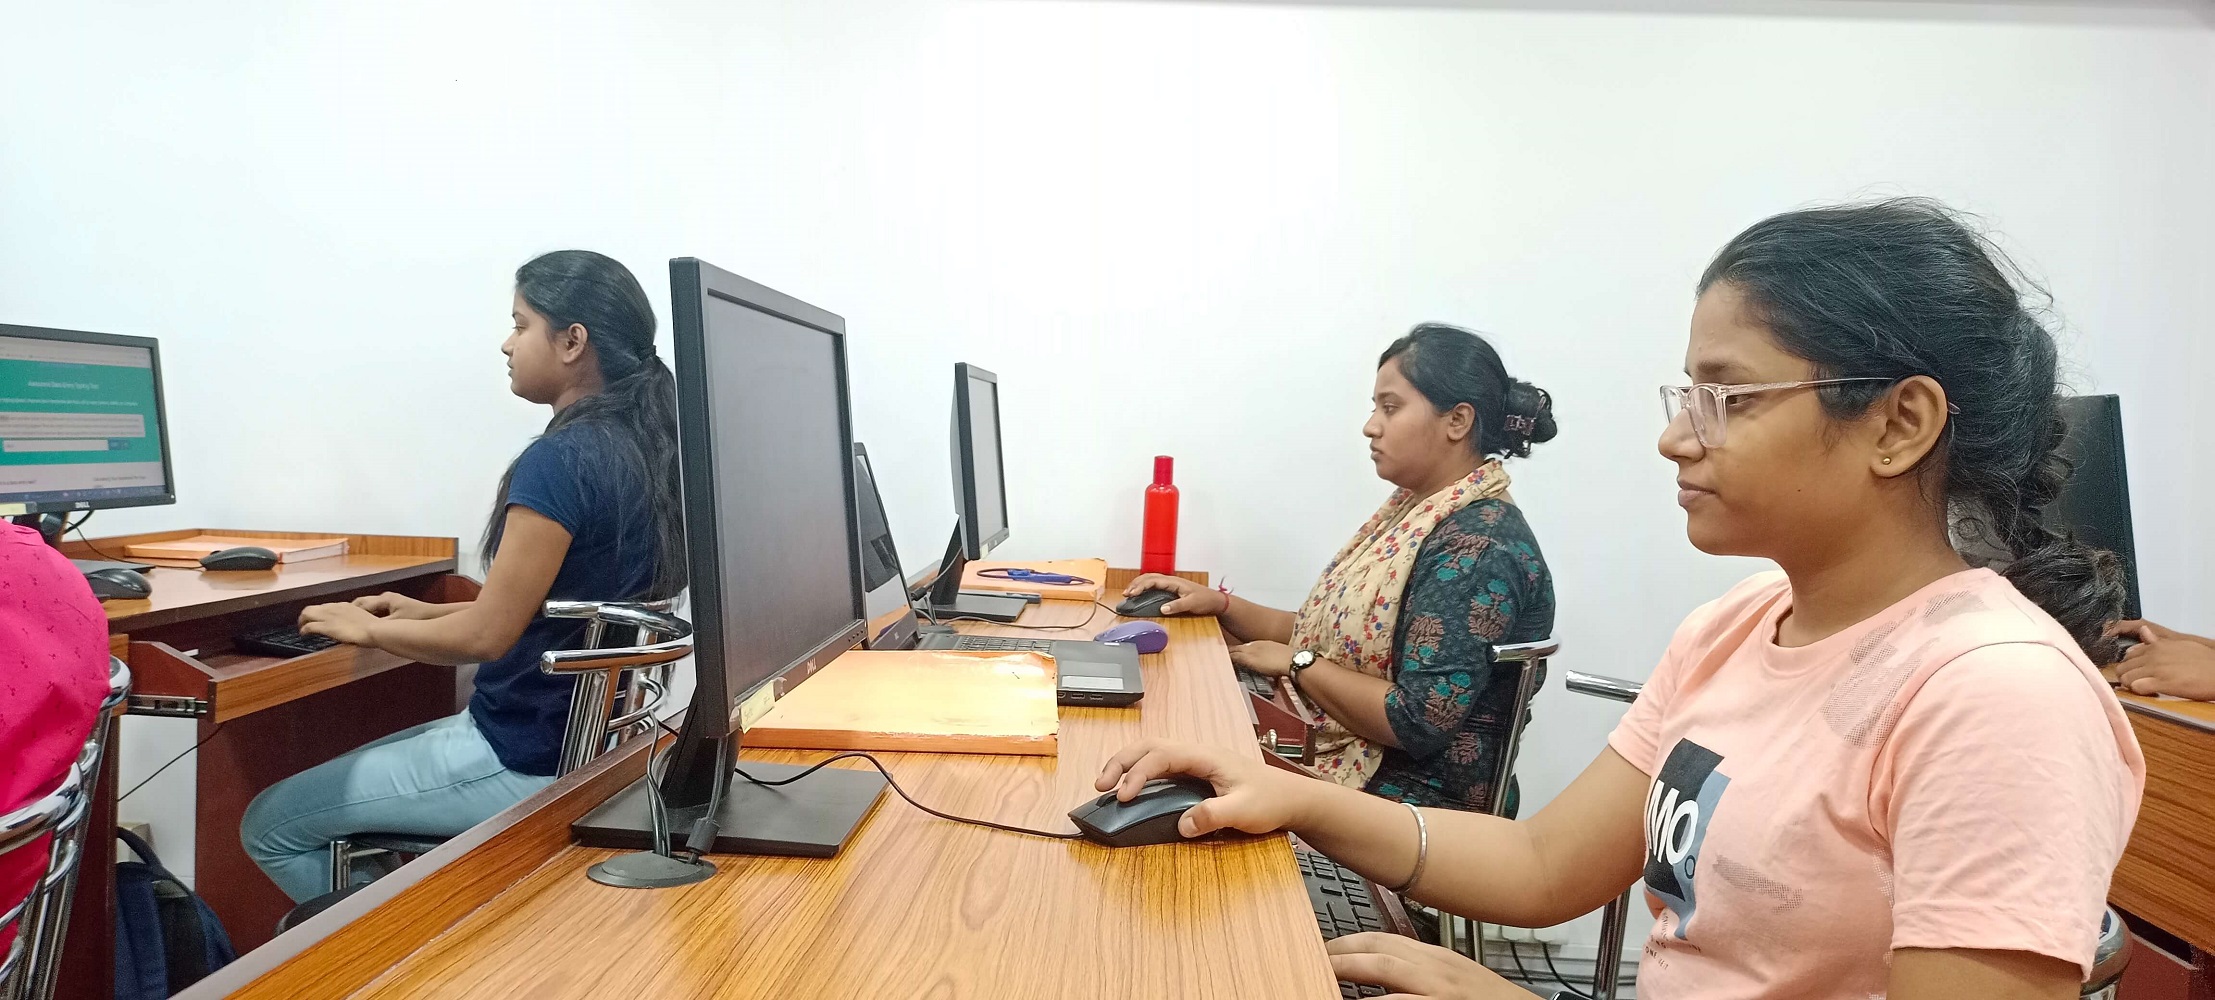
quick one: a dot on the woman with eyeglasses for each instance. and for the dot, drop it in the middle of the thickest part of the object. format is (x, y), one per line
(1392, 652)
(1881, 770)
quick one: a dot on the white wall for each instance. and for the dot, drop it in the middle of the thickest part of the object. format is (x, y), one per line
(1170, 228)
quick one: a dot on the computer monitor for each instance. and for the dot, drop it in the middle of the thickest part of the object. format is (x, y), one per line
(980, 499)
(765, 442)
(884, 591)
(980, 491)
(2095, 504)
(82, 426)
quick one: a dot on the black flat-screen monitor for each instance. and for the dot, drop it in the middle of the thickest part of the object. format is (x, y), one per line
(2095, 504)
(980, 486)
(82, 425)
(766, 444)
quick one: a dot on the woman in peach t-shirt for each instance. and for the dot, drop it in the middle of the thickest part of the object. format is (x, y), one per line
(1883, 771)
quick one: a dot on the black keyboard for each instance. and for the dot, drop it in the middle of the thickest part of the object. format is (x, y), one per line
(285, 641)
(1003, 644)
(1264, 688)
(1342, 906)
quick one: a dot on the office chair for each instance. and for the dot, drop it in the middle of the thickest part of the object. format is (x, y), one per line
(599, 720)
(32, 965)
(1460, 934)
(2110, 956)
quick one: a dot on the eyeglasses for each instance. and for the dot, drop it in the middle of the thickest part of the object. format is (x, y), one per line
(1709, 403)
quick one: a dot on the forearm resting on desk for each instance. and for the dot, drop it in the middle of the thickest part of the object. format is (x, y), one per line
(1250, 622)
(1578, 853)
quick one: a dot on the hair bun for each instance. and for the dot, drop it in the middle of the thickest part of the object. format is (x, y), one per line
(1530, 412)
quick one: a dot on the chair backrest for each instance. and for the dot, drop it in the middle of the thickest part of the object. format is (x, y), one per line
(31, 965)
(1530, 660)
(659, 640)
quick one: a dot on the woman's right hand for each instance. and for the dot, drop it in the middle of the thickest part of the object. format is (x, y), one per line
(1192, 598)
(1249, 795)
(391, 605)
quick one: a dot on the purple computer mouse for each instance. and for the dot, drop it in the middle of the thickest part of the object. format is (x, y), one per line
(1147, 636)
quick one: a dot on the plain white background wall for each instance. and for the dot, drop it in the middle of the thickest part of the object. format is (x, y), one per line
(1182, 229)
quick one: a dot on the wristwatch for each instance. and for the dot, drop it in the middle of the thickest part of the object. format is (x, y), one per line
(1300, 661)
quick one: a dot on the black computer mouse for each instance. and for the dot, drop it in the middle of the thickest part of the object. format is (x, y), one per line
(1150, 817)
(244, 557)
(1145, 604)
(118, 584)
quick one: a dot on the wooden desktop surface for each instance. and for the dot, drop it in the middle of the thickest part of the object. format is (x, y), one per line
(2167, 875)
(913, 906)
(183, 592)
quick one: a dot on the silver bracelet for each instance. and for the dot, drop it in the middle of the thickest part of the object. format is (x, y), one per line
(1422, 849)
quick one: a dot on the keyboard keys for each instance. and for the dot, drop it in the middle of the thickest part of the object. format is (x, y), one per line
(1342, 905)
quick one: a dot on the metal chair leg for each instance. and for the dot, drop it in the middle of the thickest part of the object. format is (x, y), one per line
(342, 864)
(1607, 965)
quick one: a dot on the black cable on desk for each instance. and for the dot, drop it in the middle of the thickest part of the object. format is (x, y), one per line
(879, 765)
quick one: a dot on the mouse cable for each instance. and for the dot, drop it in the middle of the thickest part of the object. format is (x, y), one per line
(888, 779)
(158, 771)
(79, 527)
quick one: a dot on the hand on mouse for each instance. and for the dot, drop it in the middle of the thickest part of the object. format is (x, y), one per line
(2176, 666)
(343, 622)
(1412, 969)
(2146, 631)
(1192, 598)
(1249, 795)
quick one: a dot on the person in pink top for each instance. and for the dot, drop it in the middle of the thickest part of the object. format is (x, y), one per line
(53, 675)
(1889, 769)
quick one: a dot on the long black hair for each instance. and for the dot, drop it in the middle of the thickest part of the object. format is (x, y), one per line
(635, 410)
(1451, 366)
(1906, 287)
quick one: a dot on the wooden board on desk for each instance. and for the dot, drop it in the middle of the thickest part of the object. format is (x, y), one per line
(926, 701)
(1095, 570)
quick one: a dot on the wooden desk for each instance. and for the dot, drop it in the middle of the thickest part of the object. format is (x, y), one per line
(914, 906)
(260, 718)
(2167, 875)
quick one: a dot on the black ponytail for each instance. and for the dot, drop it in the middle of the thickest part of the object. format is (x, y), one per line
(1899, 288)
(1451, 366)
(636, 407)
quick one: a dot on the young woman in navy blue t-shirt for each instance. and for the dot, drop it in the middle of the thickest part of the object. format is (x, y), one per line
(590, 511)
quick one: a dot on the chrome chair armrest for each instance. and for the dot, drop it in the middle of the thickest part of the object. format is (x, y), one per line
(1602, 686)
(1523, 652)
(647, 618)
(570, 661)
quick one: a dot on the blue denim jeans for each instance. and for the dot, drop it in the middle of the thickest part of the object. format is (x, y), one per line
(436, 779)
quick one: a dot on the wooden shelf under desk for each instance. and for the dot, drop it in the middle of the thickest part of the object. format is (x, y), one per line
(182, 591)
(235, 684)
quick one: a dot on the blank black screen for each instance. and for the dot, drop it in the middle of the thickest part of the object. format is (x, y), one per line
(785, 540)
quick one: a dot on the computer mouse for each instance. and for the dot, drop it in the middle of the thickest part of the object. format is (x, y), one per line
(244, 557)
(1150, 817)
(1145, 604)
(1147, 636)
(118, 584)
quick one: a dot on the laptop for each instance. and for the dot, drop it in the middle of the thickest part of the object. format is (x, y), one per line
(1091, 673)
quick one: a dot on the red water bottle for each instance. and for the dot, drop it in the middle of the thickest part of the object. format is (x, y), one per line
(1158, 552)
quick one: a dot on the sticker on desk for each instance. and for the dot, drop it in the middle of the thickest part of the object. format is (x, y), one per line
(753, 708)
(14, 509)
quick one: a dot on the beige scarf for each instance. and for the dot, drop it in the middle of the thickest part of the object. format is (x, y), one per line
(1349, 617)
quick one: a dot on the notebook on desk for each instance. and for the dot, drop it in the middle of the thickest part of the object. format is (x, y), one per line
(197, 547)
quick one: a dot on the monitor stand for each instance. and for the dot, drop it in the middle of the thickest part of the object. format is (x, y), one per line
(946, 600)
(810, 818)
